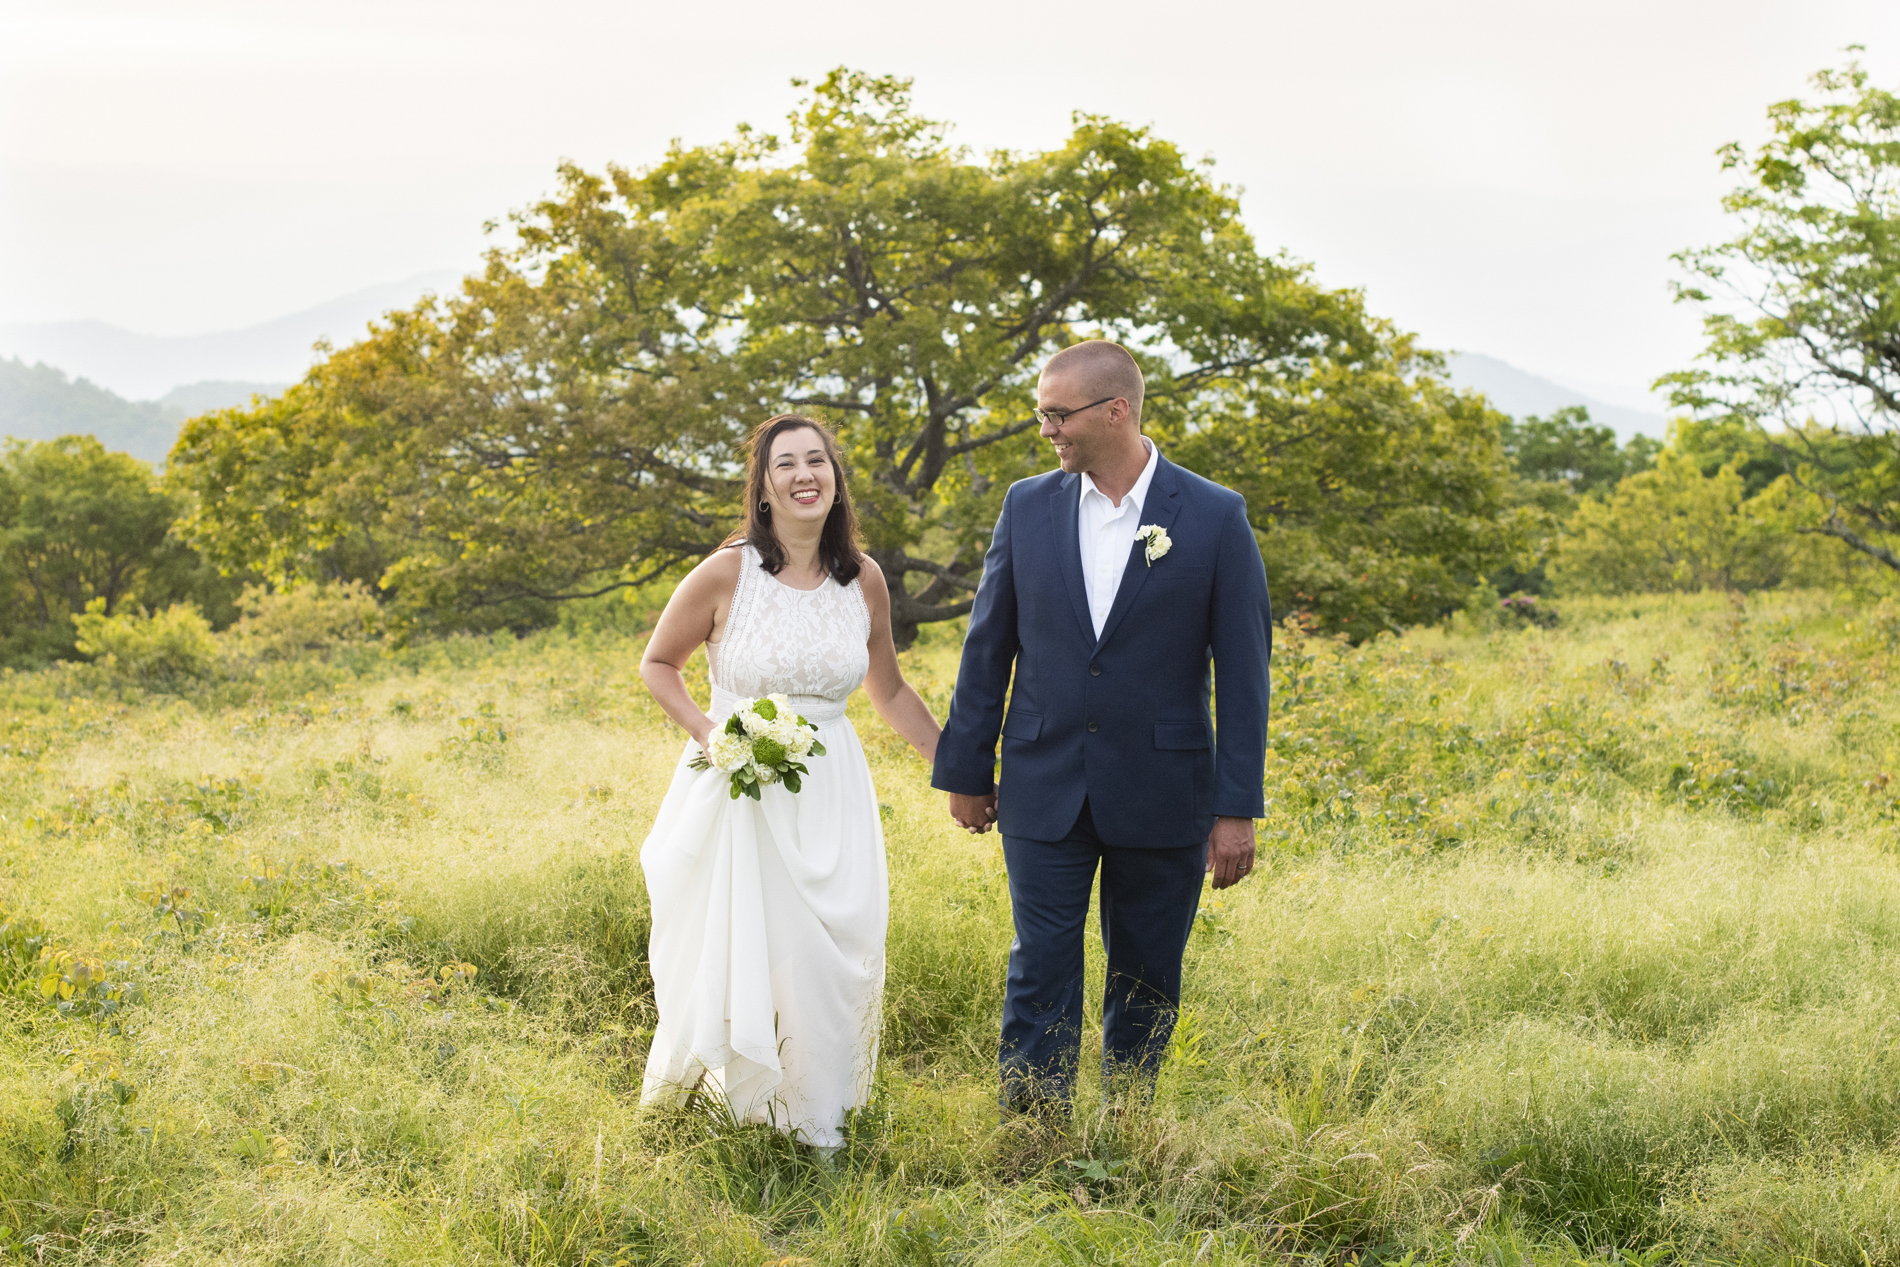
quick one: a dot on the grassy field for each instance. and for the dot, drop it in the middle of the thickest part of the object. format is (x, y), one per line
(1568, 943)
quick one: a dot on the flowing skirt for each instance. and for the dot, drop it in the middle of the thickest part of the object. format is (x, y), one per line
(768, 942)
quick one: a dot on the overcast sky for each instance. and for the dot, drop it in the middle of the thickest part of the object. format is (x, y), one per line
(1507, 178)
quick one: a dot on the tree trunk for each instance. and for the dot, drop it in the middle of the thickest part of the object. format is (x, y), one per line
(907, 612)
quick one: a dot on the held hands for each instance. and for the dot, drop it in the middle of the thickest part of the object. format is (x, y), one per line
(1230, 851)
(974, 814)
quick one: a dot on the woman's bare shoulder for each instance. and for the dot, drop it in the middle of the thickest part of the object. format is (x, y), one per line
(871, 578)
(717, 572)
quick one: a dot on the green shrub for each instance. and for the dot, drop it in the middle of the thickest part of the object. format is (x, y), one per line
(281, 624)
(151, 648)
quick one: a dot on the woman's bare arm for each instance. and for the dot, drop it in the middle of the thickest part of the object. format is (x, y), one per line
(695, 612)
(896, 701)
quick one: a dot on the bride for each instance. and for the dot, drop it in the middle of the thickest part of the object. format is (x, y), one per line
(768, 916)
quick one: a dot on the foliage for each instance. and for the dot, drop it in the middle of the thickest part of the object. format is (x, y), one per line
(1713, 443)
(164, 648)
(1669, 528)
(1568, 449)
(1377, 493)
(79, 524)
(1524, 609)
(1535, 908)
(1556, 461)
(76, 524)
(1674, 528)
(282, 624)
(1803, 307)
(569, 423)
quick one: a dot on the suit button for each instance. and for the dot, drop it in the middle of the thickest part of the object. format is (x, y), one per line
(1095, 670)
(1094, 726)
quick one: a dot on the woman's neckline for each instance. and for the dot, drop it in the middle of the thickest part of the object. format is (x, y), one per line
(773, 577)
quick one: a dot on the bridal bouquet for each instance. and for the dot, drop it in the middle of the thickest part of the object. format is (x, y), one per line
(760, 744)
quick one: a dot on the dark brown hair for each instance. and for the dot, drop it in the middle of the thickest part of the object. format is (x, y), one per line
(838, 544)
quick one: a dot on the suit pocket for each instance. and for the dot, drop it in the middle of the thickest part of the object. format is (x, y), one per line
(1180, 572)
(1022, 725)
(1182, 736)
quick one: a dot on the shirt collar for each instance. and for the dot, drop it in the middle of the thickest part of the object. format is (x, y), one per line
(1139, 493)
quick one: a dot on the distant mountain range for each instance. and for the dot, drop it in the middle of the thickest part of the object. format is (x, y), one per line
(38, 402)
(132, 390)
(144, 366)
(1521, 394)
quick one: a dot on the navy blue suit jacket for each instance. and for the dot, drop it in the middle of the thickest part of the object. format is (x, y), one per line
(1121, 720)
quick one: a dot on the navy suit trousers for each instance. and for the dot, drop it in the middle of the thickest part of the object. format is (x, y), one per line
(1149, 898)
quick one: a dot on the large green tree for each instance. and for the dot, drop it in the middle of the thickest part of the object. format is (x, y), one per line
(569, 422)
(1568, 449)
(1803, 307)
(79, 523)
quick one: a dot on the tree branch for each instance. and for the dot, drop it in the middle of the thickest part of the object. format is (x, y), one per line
(907, 563)
(989, 438)
(1833, 527)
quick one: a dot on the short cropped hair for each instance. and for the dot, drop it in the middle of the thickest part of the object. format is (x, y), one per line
(1103, 368)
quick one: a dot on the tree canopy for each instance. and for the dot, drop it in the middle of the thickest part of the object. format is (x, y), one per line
(80, 525)
(1567, 448)
(569, 422)
(1803, 307)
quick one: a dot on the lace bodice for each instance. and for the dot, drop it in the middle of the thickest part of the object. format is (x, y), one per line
(812, 645)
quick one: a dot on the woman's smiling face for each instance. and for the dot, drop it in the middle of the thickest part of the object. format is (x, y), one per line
(799, 477)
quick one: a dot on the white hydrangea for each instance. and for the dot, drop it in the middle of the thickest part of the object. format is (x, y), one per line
(777, 726)
(766, 775)
(728, 751)
(1158, 541)
(800, 742)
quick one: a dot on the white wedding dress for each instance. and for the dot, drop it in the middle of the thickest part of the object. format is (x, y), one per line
(768, 916)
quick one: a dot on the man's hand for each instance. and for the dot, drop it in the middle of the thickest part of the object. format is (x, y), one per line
(1230, 850)
(974, 813)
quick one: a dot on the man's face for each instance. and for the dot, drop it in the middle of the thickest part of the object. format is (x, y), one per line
(1083, 435)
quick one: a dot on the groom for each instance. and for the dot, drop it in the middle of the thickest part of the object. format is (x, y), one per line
(1107, 588)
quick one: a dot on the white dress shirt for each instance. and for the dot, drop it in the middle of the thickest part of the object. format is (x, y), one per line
(1106, 533)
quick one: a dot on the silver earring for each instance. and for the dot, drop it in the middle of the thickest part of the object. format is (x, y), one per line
(764, 509)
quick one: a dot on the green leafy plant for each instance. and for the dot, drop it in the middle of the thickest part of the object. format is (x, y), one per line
(481, 736)
(165, 649)
(302, 619)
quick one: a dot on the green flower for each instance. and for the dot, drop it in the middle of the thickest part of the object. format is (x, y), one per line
(767, 752)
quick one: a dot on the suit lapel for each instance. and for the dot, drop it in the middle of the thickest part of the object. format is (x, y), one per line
(1063, 506)
(1164, 503)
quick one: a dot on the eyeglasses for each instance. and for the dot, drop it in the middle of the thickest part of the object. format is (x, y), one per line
(1056, 417)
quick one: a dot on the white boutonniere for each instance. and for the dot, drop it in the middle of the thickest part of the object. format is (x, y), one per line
(1158, 541)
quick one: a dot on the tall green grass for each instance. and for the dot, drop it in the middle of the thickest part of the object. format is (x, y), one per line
(1567, 943)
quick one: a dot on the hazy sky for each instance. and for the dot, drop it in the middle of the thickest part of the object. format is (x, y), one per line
(1507, 178)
